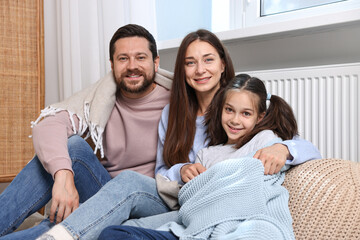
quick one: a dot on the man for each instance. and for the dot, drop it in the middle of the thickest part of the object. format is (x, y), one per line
(116, 114)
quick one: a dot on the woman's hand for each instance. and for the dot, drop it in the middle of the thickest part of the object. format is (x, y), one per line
(273, 157)
(189, 171)
(65, 198)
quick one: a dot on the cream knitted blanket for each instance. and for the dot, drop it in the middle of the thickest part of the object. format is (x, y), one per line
(93, 106)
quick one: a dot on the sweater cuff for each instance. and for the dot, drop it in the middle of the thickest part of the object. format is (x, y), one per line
(292, 150)
(57, 164)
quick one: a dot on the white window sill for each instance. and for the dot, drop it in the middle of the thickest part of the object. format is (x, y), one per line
(291, 28)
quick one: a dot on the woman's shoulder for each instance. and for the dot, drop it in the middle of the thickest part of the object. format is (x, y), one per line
(166, 108)
(165, 112)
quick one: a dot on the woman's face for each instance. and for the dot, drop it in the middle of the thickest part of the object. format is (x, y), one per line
(203, 67)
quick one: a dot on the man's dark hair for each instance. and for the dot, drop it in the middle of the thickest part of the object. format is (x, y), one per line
(132, 30)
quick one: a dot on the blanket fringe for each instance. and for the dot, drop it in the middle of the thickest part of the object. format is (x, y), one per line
(95, 131)
(48, 111)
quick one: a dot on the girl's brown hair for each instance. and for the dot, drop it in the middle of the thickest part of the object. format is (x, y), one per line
(279, 117)
(183, 102)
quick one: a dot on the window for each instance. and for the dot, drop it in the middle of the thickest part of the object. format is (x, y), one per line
(174, 19)
(260, 12)
(269, 7)
(177, 18)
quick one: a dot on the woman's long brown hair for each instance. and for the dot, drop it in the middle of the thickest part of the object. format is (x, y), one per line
(183, 102)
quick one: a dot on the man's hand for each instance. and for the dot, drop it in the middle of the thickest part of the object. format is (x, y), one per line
(273, 157)
(189, 171)
(65, 198)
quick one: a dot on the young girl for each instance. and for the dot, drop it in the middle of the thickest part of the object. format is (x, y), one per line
(238, 124)
(244, 119)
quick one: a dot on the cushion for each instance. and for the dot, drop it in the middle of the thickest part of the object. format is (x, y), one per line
(325, 199)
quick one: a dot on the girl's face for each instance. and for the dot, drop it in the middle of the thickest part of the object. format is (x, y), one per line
(203, 67)
(239, 114)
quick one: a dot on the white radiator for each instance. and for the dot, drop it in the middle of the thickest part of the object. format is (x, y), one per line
(326, 103)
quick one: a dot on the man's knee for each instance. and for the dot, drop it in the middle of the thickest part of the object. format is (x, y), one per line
(76, 141)
(79, 149)
(134, 177)
(128, 174)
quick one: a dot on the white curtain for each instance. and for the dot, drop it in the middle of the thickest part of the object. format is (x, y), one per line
(77, 36)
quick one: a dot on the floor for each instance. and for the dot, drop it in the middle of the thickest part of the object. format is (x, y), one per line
(31, 221)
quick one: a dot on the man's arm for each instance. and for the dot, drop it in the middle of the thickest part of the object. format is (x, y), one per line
(50, 138)
(65, 197)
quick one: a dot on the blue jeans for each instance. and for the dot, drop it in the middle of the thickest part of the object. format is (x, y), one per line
(31, 189)
(128, 232)
(128, 195)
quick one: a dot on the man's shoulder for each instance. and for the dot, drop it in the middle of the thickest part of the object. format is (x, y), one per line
(162, 88)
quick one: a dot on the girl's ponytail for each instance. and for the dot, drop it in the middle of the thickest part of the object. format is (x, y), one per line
(279, 118)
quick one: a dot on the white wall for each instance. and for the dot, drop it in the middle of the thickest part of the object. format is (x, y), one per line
(51, 57)
(77, 35)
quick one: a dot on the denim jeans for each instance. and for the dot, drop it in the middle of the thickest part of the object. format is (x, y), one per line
(30, 233)
(128, 195)
(129, 232)
(31, 189)
(155, 221)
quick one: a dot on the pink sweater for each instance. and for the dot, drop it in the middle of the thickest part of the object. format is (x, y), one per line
(130, 136)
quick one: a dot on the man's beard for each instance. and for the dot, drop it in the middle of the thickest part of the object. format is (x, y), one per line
(128, 87)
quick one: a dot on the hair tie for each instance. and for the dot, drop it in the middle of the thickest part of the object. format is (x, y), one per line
(268, 96)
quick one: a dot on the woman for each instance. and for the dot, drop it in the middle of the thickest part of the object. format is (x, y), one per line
(202, 67)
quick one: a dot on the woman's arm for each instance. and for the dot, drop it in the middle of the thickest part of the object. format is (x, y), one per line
(300, 151)
(274, 157)
(172, 173)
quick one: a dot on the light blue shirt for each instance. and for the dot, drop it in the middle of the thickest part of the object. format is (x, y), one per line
(296, 146)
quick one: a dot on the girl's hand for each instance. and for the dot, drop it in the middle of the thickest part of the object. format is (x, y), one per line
(189, 171)
(273, 158)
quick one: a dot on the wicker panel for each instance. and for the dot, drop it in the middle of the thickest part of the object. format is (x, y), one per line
(21, 81)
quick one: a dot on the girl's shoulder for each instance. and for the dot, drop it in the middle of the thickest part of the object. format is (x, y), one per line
(222, 148)
(262, 139)
(267, 134)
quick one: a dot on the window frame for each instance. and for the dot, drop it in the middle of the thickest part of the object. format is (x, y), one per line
(252, 12)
